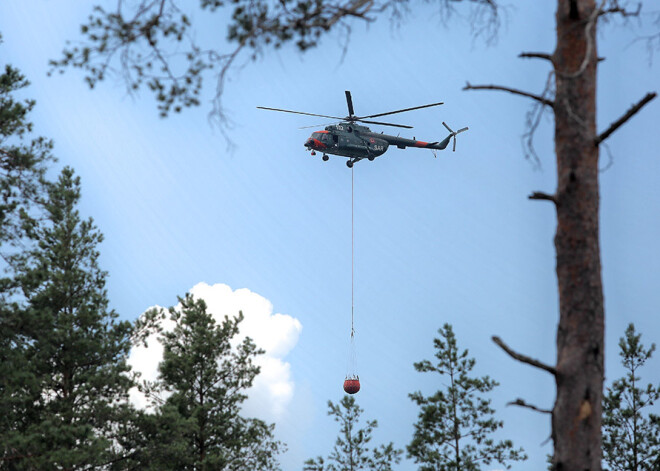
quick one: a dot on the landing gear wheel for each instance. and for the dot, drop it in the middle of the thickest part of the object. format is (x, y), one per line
(371, 158)
(349, 164)
(325, 158)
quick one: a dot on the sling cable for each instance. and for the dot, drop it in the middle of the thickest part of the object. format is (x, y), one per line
(352, 381)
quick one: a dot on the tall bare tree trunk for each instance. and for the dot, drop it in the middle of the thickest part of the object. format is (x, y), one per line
(576, 418)
(579, 372)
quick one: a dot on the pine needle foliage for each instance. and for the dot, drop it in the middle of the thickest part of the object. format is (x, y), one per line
(455, 424)
(23, 162)
(631, 434)
(352, 451)
(61, 410)
(156, 44)
(200, 425)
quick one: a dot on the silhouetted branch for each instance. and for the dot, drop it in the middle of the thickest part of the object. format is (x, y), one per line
(521, 403)
(536, 55)
(533, 116)
(631, 112)
(515, 91)
(543, 55)
(524, 358)
(537, 195)
(610, 158)
(154, 44)
(533, 120)
(616, 9)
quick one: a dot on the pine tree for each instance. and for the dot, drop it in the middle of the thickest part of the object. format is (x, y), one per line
(22, 166)
(351, 451)
(76, 379)
(631, 437)
(200, 426)
(22, 162)
(455, 424)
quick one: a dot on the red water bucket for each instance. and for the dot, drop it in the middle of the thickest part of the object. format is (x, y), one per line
(351, 386)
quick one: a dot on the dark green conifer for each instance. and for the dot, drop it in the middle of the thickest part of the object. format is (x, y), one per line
(23, 160)
(199, 426)
(352, 451)
(75, 379)
(455, 424)
(631, 435)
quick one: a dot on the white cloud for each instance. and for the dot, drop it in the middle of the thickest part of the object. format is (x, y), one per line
(275, 333)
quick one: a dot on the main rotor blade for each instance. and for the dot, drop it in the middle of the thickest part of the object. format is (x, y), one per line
(300, 112)
(349, 102)
(385, 124)
(401, 111)
(316, 126)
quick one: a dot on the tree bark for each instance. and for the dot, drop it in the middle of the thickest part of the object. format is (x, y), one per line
(576, 419)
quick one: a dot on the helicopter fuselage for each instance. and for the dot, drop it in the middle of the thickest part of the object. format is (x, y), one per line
(359, 142)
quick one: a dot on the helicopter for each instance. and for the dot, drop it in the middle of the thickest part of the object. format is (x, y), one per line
(357, 142)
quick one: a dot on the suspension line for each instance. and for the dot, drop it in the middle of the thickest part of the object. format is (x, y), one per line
(352, 252)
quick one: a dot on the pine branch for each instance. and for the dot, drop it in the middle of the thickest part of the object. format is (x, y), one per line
(521, 403)
(524, 358)
(515, 91)
(543, 55)
(535, 55)
(619, 122)
(538, 195)
(616, 9)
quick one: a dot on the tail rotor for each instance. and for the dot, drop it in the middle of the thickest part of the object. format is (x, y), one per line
(453, 133)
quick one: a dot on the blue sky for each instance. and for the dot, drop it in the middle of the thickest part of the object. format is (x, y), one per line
(452, 239)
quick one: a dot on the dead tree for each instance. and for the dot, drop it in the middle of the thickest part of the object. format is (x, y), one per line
(579, 371)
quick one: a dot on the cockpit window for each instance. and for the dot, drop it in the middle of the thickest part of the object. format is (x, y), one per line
(321, 136)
